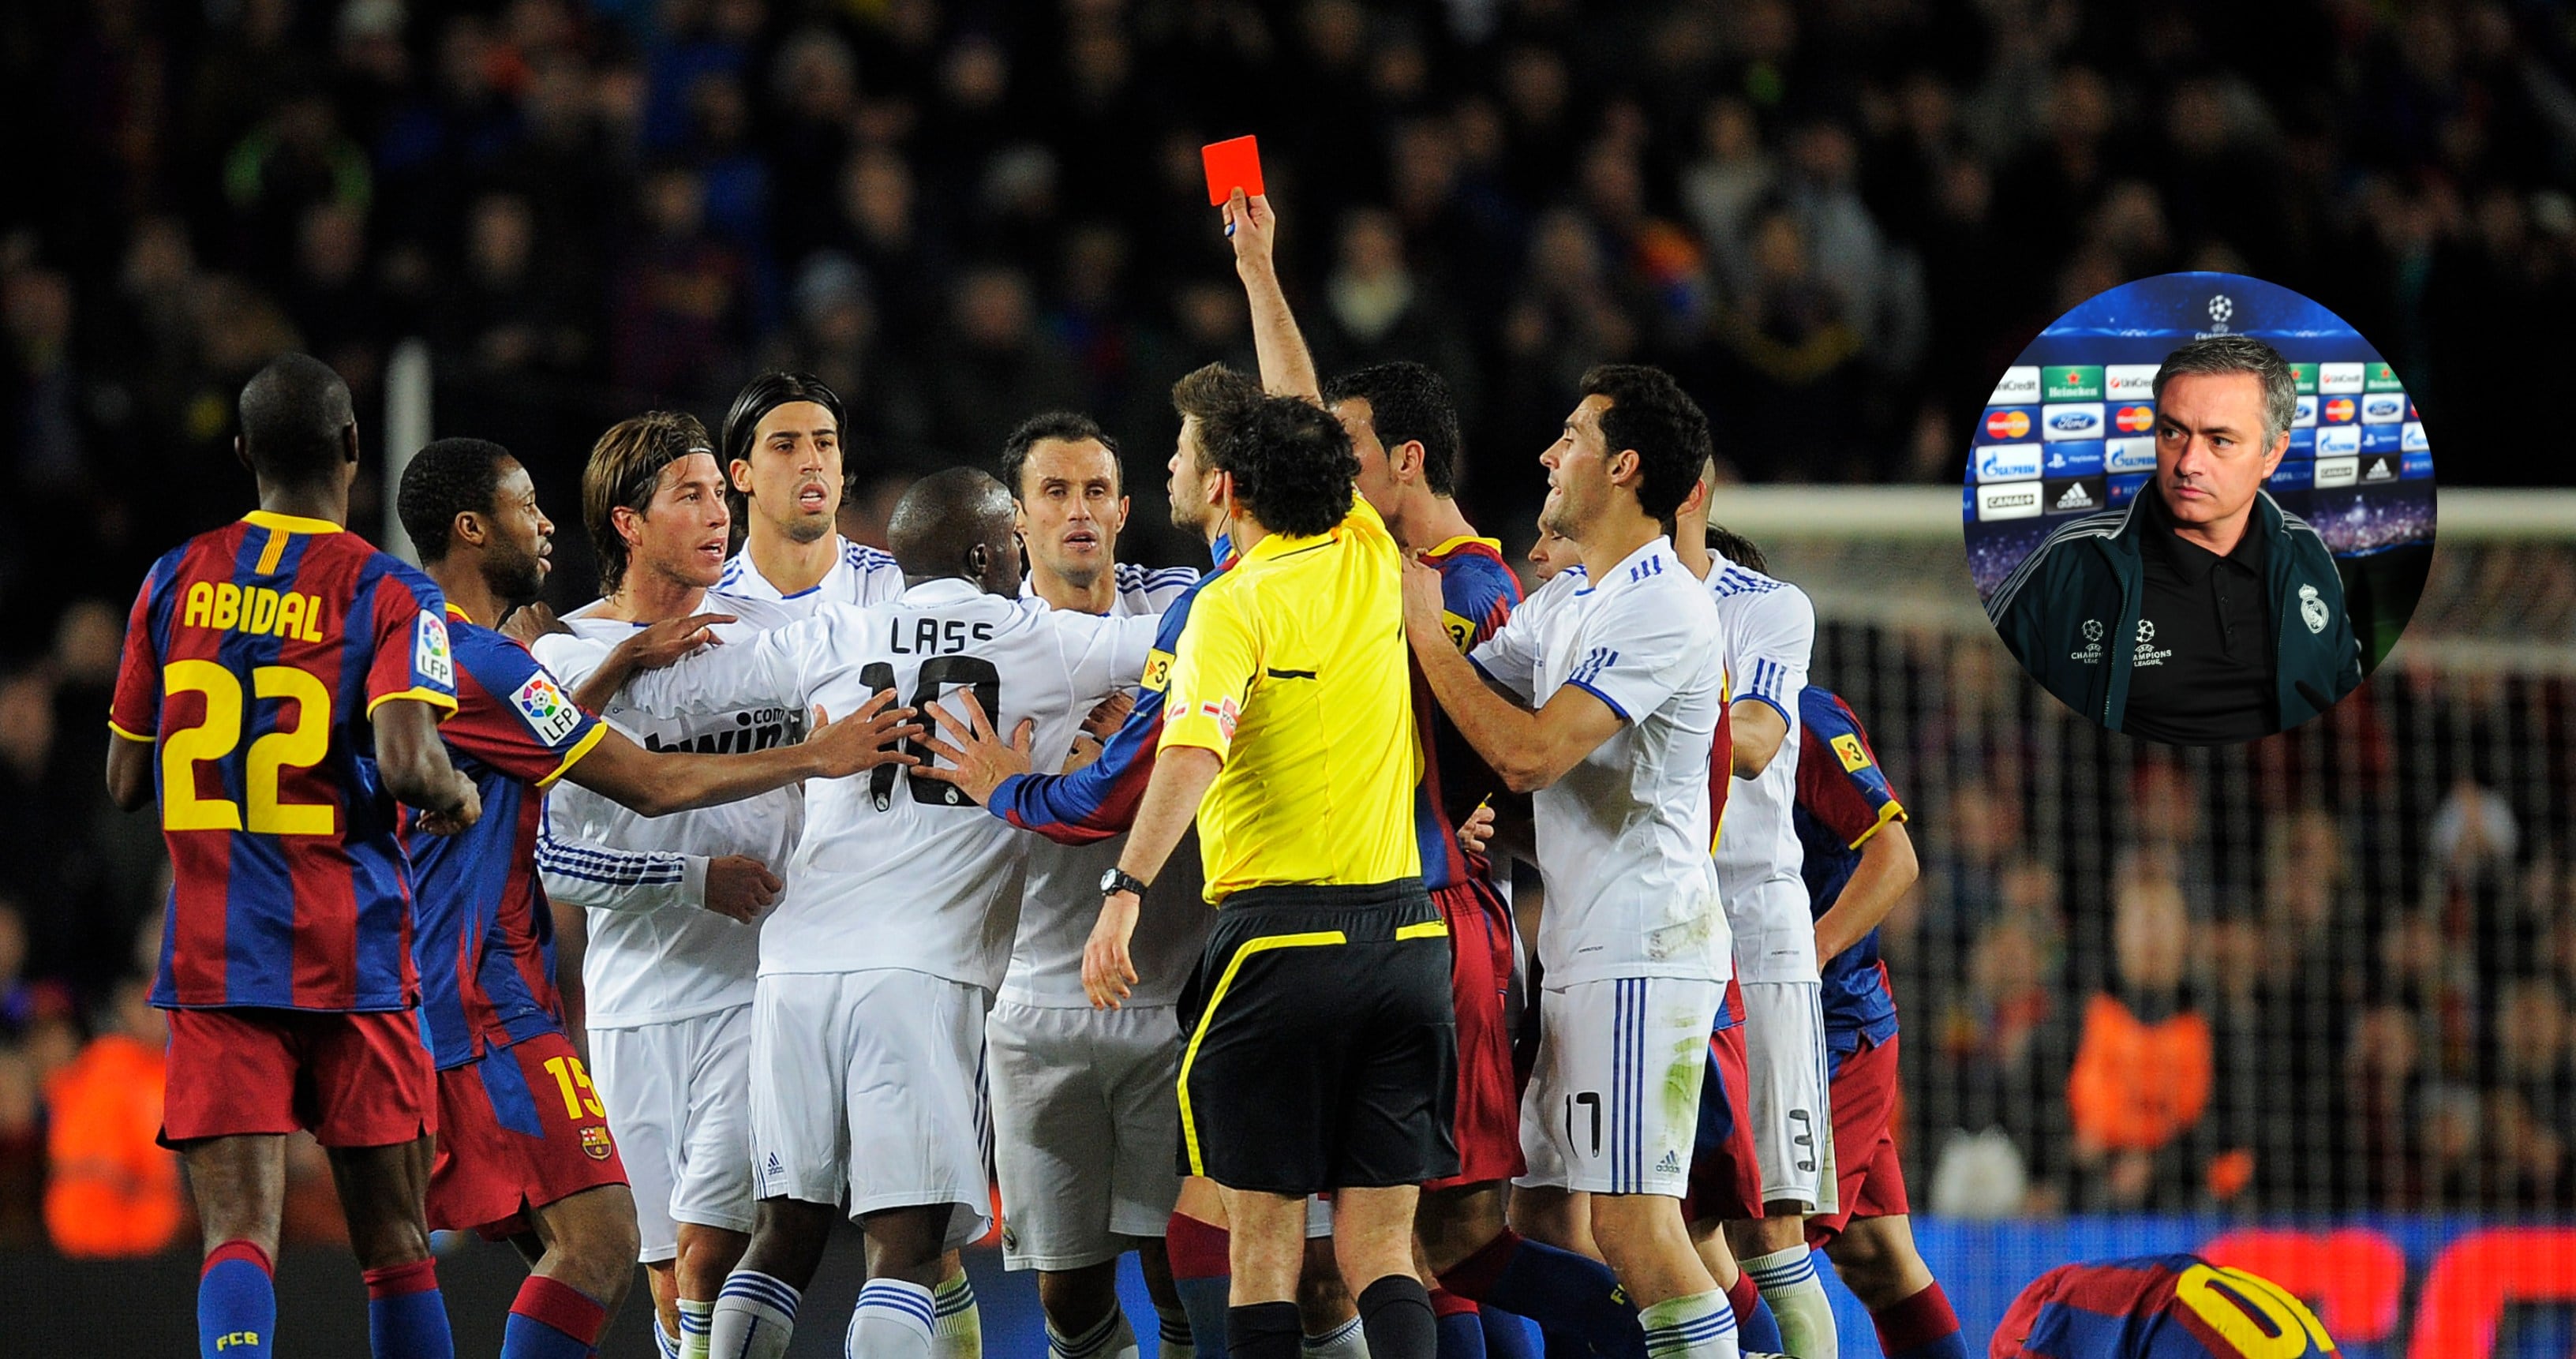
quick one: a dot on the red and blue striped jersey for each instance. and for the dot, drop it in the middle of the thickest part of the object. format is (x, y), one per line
(486, 940)
(1477, 595)
(1099, 800)
(1843, 799)
(2158, 1307)
(254, 656)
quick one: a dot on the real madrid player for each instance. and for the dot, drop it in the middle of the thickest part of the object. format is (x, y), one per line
(671, 950)
(1085, 1130)
(782, 455)
(1626, 682)
(1770, 631)
(524, 1152)
(897, 922)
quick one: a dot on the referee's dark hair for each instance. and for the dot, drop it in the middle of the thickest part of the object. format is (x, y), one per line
(1650, 413)
(1737, 548)
(757, 399)
(1408, 403)
(1071, 427)
(445, 479)
(1292, 465)
(297, 426)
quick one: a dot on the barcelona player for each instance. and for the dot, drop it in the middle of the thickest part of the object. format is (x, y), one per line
(1859, 862)
(281, 687)
(525, 1151)
(2158, 1307)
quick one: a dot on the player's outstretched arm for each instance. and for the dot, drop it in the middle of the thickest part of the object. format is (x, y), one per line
(652, 647)
(1286, 368)
(1527, 749)
(414, 764)
(660, 783)
(1887, 868)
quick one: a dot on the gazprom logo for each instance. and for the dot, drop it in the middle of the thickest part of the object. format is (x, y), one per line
(2129, 455)
(2338, 441)
(2007, 462)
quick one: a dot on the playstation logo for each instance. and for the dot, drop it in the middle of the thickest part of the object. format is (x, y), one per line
(2221, 309)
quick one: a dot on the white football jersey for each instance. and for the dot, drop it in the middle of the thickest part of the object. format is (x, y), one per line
(894, 871)
(860, 575)
(656, 955)
(1623, 836)
(1061, 898)
(1770, 633)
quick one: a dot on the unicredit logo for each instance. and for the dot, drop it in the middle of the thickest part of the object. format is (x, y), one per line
(2070, 422)
(2135, 419)
(2007, 424)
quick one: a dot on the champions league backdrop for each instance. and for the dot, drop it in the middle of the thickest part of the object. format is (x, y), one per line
(2070, 431)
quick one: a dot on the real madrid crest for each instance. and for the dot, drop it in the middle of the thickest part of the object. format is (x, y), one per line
(2312, 610)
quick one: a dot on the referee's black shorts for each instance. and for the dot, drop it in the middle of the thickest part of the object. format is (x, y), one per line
(1322, 1044)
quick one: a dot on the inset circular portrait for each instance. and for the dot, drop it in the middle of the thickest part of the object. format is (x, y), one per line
(2199, 508)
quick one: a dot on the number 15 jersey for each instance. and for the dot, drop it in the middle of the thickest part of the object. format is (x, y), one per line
(894, 871)
(254, 657)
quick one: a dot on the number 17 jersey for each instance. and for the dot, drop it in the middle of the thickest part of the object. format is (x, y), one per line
(254, 657)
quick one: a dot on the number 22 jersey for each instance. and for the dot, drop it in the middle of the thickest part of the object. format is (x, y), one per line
(254, 657)
(894, 871)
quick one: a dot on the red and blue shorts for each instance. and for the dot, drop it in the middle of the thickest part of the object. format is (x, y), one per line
(350, 1079)
(1487, 1123)
(1725, 1179)
(1869, 1179)
(518, 1128)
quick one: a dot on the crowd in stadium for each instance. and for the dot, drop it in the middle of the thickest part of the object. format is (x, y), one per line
(1835, 222)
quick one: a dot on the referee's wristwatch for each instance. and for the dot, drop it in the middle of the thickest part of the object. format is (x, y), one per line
(1118, 880)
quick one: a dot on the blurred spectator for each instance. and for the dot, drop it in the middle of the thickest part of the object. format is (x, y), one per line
(1376, 308)
(681, 300)
(999, 365)
(505, 313)
(114, 1189)
(2142, 1070)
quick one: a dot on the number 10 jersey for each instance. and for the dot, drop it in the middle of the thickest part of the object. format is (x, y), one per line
(895, 871)
(254, 657)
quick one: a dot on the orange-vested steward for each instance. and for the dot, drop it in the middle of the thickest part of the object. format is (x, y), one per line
(2136, 1086)
(114, 1190)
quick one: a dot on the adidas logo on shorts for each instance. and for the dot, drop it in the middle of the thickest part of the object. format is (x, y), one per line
(1670, 1165)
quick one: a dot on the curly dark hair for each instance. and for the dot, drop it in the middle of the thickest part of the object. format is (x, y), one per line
(1408, 403)
(1072, 427)
(1650, 413)
(1292, 465)
(445, 479)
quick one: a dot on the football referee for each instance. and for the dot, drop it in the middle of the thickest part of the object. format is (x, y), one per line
(1321, 1051)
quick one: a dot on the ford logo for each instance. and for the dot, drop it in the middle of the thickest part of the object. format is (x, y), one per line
(2073, 421)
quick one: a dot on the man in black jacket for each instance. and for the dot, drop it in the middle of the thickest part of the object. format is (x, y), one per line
(2204, 614)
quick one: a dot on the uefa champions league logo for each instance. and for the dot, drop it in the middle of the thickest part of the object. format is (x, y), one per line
(2221, 307)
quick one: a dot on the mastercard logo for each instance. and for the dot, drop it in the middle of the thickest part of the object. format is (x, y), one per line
(2135, 419)
(2008, 424)
(2339, 410)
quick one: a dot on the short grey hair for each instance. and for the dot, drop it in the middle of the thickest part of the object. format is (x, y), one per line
(2240, 354)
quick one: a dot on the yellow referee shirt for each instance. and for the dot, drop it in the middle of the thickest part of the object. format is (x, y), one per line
(1293, 669)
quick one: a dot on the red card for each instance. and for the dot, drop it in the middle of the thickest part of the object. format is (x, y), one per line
(1231, 165)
